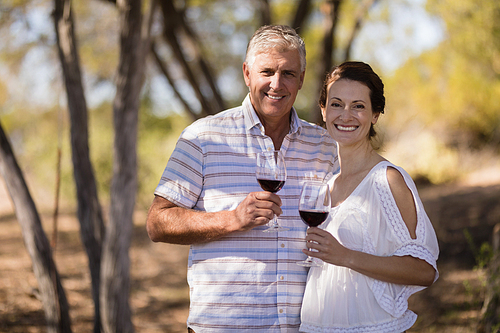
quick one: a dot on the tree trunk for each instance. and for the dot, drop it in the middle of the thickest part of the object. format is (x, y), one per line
(89, 210)
(54, 299)
(115, 273)
(331, 10)
(303, 9)
(265, 12)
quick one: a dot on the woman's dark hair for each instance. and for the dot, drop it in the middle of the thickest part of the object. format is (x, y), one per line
(360, 72)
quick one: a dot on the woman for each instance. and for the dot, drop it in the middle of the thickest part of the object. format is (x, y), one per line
(378, 245)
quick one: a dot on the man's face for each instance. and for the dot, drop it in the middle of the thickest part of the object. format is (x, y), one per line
(274, 80)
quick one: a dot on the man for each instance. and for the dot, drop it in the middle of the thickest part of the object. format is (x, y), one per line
(240, 278)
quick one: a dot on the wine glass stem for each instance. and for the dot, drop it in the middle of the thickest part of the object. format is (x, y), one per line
(273, 221)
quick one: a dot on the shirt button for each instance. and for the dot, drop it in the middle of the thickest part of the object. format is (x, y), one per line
(269, 149)
(282, 277)
(281, 310)
(282, 245)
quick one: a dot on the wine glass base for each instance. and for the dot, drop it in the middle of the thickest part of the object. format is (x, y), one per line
(275, 228)
(309, 263)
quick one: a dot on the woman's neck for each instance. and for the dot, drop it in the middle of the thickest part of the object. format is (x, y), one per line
(354, 160)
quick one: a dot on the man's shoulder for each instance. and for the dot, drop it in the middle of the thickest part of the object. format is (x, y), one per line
(311, 126)
(230, 115)
(314, 132)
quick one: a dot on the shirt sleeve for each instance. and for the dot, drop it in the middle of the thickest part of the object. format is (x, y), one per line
(182, 179)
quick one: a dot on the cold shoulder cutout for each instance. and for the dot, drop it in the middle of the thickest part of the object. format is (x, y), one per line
(404, 199)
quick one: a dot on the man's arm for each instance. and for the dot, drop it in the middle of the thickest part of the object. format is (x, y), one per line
(169, 223)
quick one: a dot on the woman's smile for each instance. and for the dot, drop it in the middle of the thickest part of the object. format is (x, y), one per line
(346, 128)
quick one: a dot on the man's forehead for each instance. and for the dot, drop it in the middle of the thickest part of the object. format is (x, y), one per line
(289, 59)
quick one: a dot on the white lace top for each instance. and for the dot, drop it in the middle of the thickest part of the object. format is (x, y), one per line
(338, 299)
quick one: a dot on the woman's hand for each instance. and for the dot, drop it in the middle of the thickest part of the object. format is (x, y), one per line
(321, 244)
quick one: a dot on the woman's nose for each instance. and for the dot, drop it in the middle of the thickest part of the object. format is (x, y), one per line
(345, 115)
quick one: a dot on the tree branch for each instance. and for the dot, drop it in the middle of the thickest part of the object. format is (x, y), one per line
(361, 14)
(163, 68)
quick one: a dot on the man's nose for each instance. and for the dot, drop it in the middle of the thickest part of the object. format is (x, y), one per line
(276, 81)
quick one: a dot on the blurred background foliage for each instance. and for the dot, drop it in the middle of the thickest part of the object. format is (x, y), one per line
(451, 94)
(443, 102)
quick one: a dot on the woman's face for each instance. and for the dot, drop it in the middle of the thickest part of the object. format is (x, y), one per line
(348, 112)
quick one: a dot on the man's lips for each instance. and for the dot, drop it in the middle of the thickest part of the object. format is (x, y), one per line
(276, 98)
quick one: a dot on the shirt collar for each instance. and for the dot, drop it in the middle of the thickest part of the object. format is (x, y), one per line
(252, 120)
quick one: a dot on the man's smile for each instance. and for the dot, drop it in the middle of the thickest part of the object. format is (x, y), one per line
(274, 97)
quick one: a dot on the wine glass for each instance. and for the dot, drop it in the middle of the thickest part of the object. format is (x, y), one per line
(314, 206)
(271, 175)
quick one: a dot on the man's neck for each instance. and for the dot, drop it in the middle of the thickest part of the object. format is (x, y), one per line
(277, 130)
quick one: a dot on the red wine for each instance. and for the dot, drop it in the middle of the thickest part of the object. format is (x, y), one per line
(313, 218)
(271, 185)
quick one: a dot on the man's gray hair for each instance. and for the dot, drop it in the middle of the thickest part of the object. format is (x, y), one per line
(279, 37)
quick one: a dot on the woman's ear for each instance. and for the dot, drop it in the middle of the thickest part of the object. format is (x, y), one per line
(375, 117)
(323, 114)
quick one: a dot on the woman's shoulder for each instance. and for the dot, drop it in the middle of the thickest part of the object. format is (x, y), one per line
(396, 179)
(403, 196)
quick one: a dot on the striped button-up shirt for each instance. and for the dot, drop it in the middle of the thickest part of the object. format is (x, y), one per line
(246, 280)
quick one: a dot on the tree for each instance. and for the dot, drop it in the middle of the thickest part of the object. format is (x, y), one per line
(52, 293)
(455, 86)
(115, 275)
(89, 209)
(107, 248)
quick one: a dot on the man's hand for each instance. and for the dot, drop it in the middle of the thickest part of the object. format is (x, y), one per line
(257, 209)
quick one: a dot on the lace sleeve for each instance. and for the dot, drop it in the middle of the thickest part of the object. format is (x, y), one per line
(394, 238)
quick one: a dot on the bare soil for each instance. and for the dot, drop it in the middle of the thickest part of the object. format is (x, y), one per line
(159, 292)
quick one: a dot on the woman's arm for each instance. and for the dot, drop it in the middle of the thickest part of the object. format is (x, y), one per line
(394, 269)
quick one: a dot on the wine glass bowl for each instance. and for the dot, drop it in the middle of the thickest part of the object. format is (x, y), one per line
(314, 207)
(271, 176)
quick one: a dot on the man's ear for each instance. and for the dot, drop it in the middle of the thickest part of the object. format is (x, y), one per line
(246, 74)
(302, 76)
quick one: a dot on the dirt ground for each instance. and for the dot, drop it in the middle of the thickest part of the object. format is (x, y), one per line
(159, 292)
